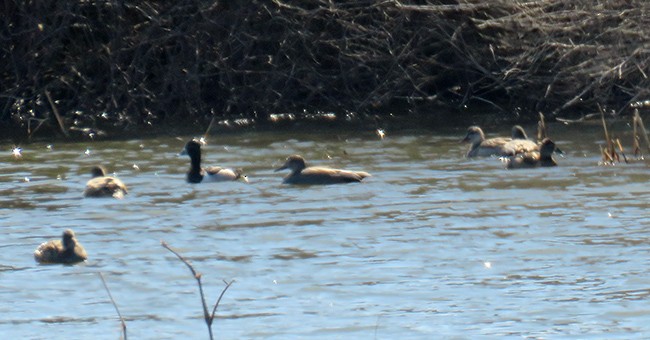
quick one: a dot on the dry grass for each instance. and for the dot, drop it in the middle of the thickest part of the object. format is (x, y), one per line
(110, 64)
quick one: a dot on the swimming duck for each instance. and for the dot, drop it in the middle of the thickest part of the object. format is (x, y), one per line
(517, 146)
(104, 186)
(481, 147)
(67, 250)
(211, 174)
(303, 174)
(533, 159)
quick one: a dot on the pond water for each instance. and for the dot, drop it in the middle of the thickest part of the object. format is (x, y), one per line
(434, 245)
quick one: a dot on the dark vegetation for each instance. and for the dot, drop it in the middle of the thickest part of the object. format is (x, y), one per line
(120, 65)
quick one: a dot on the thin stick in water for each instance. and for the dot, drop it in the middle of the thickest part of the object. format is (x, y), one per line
(207, 131)
(209, 318)
(620, 148)
(110, 296)
(56, 113)
(639, 121)
(541, 128)
(216, 305)
(609, 150)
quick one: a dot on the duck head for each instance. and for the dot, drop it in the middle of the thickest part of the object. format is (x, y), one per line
(192, 148)
(474, 135)
(98, 171)
(294, 162)
(547, 148)
(68, 239)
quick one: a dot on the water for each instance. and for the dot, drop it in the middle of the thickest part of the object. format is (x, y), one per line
(432, 246)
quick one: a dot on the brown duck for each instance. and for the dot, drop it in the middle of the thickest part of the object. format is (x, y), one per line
(303, 174)
(104, 186)
(533, 159)
(67, 250)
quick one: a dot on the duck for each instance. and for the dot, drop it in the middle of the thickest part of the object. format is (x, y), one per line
(301, 173)
(210, 174)
(67, 250)
(533, 159)
(481, 147)
(517, 146)
(104, 186)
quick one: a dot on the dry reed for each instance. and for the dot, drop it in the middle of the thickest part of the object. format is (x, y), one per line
(120, 64)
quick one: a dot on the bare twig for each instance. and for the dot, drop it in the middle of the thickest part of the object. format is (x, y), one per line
(639, 122)
(56, 113)
(609, 150)
(216, 305)
(541, 128)
(621, 150)
(114, 305)
(209, 318)
(207, 131)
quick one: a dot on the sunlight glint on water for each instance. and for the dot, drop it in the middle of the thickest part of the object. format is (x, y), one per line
(432, 246)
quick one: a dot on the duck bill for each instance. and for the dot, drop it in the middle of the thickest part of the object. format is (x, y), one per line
(281, 168)
(183, 152)
(466, 139)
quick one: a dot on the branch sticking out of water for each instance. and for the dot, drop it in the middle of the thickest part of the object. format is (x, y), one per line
(610, 156)
(55, 110)
(638, 122)
(207, 131)
(208, 317)
(541, 128)
(114, 305)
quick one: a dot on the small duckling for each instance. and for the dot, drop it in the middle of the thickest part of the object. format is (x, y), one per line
(210, 174)
(67, 250)
(303, 174)
(533, 159)
(104, 186)
(481, 147)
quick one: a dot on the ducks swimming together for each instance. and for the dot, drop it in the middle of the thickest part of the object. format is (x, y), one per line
(521, 152)
(533, 159)
(67, 250)
(499, 146)
(197, 174)
(104, 186)
(303, 174)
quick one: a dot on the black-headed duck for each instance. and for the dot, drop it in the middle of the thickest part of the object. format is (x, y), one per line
(210, 174)
(104, 186)
(67, 250)
(303, 174)
(533, 159)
